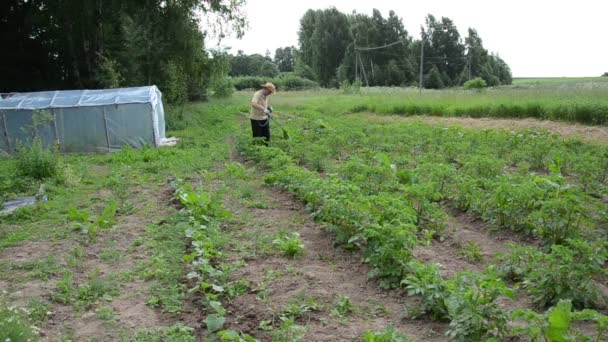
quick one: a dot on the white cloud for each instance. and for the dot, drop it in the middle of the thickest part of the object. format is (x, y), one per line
(535, 37)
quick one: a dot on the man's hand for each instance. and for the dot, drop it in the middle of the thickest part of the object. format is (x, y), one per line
(268, 113)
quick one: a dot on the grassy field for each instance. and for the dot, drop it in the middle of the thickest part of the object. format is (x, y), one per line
(465, 234)
(584, 102)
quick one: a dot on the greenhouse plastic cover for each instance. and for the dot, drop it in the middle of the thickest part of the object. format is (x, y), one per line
(85, 120)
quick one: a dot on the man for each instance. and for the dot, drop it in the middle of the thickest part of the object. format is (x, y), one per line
(260, 112)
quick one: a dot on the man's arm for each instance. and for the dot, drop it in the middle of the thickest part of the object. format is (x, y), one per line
(258, 106)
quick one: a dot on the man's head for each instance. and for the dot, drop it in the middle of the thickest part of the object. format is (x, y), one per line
(269, 88)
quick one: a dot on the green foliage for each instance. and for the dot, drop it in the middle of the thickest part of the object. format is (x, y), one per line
(290, 245)
(390, 334)
(14, 323)
(425, 282)
(471, 252)
(139, 43)
(286, 81)
(343, 306)
(351, 88)
(476, 83)
(559, 324)
(108, 74)
(567, 273)
(36, 161)
(222, 87)
(289, 331)
(472, 308)
(234, 336)
(433, 79)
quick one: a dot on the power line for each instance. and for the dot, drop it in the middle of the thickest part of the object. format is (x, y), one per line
(378, 47)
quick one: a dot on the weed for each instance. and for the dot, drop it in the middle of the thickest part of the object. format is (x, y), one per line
(236, 288)
(106, 314)
(36, 161)
(290, 245)
(65, 290)
(300, 305)
(39, 310)
(289, 331)
(343, 306)
(472, 252)
(14, 323)
(388, 335)
(110, 254)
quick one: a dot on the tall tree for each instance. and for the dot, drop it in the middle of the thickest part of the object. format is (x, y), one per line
(285, 58)
(324, 35)
(56, 44)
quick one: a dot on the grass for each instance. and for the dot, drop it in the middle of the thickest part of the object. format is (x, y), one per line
(385, 163)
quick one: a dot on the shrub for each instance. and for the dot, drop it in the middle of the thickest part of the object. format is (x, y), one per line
(35, 161)
(351, 88)
(476, 83)
(222, 87)
(247, 82)
(290, 81)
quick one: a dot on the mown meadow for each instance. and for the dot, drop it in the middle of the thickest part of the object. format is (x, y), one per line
(383, 190)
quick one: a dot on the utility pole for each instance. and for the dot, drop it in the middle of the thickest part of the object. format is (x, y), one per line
(363, 70)
(421, 61)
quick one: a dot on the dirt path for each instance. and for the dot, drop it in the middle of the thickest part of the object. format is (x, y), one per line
(323, 273)
(591, 134)
(110, 259)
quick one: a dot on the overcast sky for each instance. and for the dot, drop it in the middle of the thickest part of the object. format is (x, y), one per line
(537, 38)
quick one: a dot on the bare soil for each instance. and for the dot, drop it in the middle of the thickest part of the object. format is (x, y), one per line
(130, 309)
(590, 134)
(323, 273)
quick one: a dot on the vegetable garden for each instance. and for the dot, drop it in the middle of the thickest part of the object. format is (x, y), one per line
(345, 228)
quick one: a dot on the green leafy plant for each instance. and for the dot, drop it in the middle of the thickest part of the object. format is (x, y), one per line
(390, 334)
(567, 273)
(472, 308)
(235, 336)
(35, 161)
(425, 282)
(558, 324)
(471, 252)
(477, 83)
(289, 331)
(14, 323)
(290, 245)
(343, 306)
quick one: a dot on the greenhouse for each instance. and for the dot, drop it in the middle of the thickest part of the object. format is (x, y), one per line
(102, 120)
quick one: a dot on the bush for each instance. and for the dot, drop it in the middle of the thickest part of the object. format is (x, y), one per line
(222, 87)
(35, 161)
(287, 81)
(476, 83)
(247, 82)
(290, 81)
(351, 88)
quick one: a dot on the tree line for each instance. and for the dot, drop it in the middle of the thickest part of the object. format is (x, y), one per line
(335, 47)
(75, 44)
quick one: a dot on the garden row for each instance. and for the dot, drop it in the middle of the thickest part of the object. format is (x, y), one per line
(385, 225)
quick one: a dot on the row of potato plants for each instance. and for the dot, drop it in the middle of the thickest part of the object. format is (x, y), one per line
(385, 227)
(202, 213)
(473, 172)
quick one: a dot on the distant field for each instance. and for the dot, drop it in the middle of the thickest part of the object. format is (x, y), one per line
(557, 80)
(572, 100)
